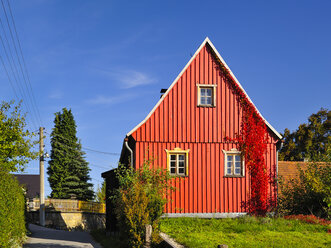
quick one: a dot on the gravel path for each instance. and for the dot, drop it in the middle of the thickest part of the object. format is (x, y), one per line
(46, 237)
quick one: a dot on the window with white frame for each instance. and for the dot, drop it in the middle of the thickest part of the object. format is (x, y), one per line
(233, 163)
(206, 95)
(177, 160)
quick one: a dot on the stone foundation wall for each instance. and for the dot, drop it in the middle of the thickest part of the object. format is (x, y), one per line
(70, 220)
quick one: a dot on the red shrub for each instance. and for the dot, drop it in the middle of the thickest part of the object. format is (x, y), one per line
(312, 219)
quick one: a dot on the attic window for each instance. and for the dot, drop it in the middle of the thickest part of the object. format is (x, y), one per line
(206, 95)
(177, 161)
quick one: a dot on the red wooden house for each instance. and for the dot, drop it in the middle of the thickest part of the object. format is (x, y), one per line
(186, 133)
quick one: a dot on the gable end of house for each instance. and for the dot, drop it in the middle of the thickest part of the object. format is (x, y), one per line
(205, 43)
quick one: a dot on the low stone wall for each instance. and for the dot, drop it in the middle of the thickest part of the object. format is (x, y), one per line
(70, 220)
(66, 205)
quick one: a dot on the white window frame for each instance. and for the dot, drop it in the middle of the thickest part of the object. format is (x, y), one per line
(213, 97)
(233, 152)
(177, 152)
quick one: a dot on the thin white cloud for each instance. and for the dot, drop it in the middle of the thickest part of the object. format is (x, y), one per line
(129, 78)
(107, 100)
(56, 95)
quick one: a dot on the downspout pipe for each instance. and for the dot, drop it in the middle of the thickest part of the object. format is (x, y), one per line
(279, 146)
(130, 150)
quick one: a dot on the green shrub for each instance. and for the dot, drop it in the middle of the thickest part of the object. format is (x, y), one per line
(133, 214)
(309, 194)
(140, 201)
(12, 216)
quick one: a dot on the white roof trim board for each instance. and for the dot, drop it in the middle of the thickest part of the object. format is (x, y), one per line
(181, 73)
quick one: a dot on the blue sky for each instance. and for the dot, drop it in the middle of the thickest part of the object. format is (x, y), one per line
(108, 60)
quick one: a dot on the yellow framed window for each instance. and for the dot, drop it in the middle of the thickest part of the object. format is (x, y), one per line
(177, 162)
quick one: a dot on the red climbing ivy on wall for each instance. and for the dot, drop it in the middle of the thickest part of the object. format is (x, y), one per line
(252, 140)
(253, 144)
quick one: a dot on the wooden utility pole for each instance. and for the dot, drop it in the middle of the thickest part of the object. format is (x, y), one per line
(41, 172)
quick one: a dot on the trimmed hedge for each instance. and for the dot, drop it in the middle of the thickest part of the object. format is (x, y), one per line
(12, 206)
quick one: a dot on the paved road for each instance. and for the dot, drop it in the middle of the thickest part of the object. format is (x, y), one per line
(43, 237)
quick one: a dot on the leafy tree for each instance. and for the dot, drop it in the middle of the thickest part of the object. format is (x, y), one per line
(68, 170)
(16, 150)
(101, 193)
(310, 141)
(16, 143)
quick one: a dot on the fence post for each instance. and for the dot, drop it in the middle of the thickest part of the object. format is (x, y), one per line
(148, 237)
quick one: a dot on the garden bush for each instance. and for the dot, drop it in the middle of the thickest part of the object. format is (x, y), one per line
(140, 201)
(308, 194)
(12, 206)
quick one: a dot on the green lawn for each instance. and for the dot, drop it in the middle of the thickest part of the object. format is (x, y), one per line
(246, 232)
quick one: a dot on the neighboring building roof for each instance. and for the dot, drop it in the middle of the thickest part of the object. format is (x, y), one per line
(206, 41)
(31, 184)
(288, 170)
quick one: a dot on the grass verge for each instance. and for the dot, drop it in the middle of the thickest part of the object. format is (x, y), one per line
(246, 232)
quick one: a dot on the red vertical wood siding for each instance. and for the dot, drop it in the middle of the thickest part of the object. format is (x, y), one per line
(179, 122)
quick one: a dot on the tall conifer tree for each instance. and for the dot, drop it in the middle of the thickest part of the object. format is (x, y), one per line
(68, 170)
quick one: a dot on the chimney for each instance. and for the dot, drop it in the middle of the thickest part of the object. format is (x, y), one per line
(162, 91)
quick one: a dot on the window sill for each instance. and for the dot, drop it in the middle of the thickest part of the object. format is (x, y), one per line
(233, 176)
(175, 175)
(206, 106)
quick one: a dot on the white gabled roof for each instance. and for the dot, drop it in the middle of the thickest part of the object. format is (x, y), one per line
(181, 73)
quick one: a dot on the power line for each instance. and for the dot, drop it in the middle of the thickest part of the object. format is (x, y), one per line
(11, 83)
(108, 153)
(21, 91)
(89, 149)
(64, 145)
(24, 64)
(92, 164)
(89, 163)
(24, 94)
(101, 167)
